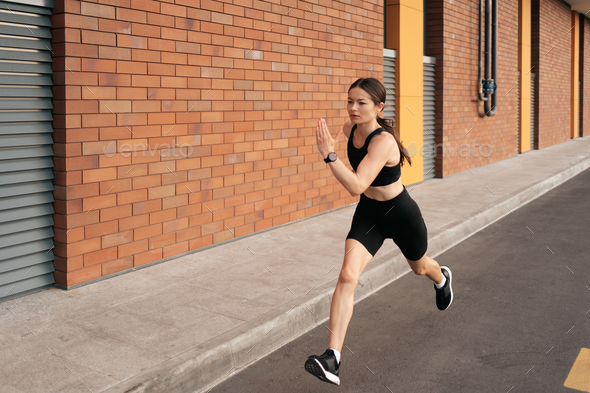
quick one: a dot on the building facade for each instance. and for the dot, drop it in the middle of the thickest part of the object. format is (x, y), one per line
(176, 125)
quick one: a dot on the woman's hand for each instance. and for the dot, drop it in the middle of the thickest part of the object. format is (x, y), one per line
(324, 139)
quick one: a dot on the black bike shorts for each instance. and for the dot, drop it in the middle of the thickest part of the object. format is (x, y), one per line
(399, 219)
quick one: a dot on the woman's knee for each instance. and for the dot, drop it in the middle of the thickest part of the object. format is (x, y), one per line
(418, 267)
(348, 277)
(419, 270)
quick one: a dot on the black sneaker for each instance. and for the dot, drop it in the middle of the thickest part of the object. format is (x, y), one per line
(324, 367)
(444, 296)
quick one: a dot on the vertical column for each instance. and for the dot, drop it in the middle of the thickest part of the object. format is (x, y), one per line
(524, 65)
(582, 75)
(575, 73)
(405, 20)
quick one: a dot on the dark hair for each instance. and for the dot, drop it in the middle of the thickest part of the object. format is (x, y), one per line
(376, 90)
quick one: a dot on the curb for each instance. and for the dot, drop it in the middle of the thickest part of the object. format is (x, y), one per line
(203, 367)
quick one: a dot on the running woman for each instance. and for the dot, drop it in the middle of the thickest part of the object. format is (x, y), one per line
(385, 211)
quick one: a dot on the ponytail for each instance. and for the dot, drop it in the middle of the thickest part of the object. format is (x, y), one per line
(389, 127)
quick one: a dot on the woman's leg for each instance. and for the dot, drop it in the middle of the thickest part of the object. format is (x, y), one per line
(428, 267)
(355, 260)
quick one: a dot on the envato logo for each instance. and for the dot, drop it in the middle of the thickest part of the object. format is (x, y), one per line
(165, 150)
(464, 150)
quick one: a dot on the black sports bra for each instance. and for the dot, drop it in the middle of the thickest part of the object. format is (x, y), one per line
(388, 175)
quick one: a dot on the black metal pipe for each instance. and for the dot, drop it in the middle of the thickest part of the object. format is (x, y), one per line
(480, 37)
(492, 110)
(495, 59)
(488, 57)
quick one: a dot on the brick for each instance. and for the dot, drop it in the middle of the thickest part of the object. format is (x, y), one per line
(147, 207)
(174, 201)
(77, 276)
(188, 47)
(161, 118)
(74, 106)
(117, 239)
(80, 21)
(146, 106)
(174, 82)
(175, 58)
(105, 79)
(132, 248)
(147, 232)
(147, 257)
(97, 257)
(160, 20)
(161, 192)
(70, 235)
(98, 38)
(163, 215)
(100, 229)
(133, 222)
(115, 106)
(131, 119)
(175, 225)
(145, 81)
(161, 69)
(171, 9)
(131, 15)
(115, 213)
(147, 181)
(98, 65)
(145, 30)
(175, 249)
(212, 5)
(117, 265)
(98, 92)
(199, 14)
(97, 10)
(146, 5)
(83, 247)
(178, 34)
(124, 198)
(108, 52)
(131, 41)
(99, 202)
(98, 175)
(161, 241)
(131, 93)
(114, 26)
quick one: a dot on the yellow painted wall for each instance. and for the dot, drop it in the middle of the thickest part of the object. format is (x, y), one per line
(405, 23)
(524, 65)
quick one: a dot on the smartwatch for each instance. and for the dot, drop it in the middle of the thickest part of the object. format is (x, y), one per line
(331, 158)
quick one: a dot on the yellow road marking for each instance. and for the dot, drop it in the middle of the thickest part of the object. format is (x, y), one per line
(579, 376)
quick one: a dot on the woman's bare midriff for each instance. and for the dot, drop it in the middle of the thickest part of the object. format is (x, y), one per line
(385, 193)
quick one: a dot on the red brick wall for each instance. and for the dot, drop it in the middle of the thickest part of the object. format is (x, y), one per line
(460, 119)
(240, 83)
(551, 59)
(585, 74)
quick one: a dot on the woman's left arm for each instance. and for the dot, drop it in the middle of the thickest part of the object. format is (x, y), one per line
(355, 183)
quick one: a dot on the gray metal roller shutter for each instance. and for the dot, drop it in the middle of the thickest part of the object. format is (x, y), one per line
(389, 57)
(428, 143)
(26, 188)
(518, 112)
(532, 111)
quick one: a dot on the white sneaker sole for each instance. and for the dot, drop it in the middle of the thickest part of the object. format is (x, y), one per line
(450, 283)
(333, 378)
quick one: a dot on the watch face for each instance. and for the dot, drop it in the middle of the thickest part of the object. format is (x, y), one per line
(332, 156)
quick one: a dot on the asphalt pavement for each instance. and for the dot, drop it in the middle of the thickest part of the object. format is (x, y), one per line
(519, 318)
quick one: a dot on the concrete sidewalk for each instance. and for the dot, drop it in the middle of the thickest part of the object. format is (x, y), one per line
(186, 324)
